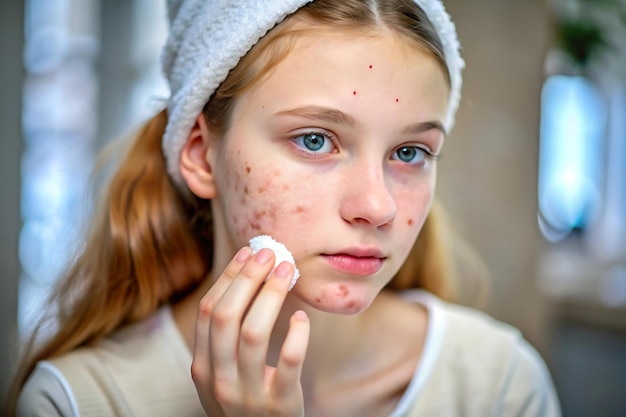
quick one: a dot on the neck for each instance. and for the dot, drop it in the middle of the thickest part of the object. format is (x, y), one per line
(331, 342)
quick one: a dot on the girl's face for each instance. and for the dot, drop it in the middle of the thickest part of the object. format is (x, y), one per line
(332, 155)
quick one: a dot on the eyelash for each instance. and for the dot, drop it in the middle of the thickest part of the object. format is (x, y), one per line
(309, 153)
(429, 155)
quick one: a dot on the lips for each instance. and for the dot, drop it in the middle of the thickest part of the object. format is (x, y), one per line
(356, 261)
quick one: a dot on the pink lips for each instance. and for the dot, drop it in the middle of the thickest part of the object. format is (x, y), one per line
(356, 261)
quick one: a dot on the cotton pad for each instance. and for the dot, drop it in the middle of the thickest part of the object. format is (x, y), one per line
(280, 251)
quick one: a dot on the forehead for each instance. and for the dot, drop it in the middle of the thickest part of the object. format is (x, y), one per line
(343, 66)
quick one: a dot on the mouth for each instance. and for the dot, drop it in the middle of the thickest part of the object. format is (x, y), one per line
(356, 261)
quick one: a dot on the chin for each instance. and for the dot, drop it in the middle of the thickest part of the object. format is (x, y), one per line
(338, 298)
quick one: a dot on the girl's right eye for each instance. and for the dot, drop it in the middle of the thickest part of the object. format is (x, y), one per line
(314, 142)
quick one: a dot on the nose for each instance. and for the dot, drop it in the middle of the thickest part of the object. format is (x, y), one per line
(367, 199)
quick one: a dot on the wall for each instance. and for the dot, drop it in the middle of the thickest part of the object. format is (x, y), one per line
(11, 35)
(488, 170)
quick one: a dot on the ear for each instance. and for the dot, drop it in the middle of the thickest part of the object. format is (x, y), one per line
(195, 167)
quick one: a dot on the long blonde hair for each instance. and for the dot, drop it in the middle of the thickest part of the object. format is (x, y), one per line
(151, 243)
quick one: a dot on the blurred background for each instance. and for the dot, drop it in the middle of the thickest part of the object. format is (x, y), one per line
(533, 175)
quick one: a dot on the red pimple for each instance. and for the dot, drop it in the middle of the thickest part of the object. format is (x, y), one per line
(354, 93)
(371, 66)
(410, 222)
(397, 100)
(343, 291)
(248, 170)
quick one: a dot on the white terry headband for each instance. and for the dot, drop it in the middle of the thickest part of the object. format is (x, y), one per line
(208, 38)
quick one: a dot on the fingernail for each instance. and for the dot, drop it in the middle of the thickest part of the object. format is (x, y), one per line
(263, 256)
(243, 255)
(283, 270)
(300, 315)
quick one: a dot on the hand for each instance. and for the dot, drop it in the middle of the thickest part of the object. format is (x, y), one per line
(235, 322)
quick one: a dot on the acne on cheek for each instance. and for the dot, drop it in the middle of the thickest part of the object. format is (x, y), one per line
(262, 207)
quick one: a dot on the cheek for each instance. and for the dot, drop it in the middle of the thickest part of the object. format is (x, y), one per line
(415, 208)
(263, 200)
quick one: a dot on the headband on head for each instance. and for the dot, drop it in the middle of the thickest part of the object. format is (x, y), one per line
(208, 38)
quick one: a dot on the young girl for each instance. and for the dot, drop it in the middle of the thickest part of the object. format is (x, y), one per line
(318, 123)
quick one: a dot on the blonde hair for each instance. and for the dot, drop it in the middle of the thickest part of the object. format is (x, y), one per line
(151, 243)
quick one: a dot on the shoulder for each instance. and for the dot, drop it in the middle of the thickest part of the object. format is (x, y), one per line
(498, 364)
(127, 373)
(489, 366)
(46, 393)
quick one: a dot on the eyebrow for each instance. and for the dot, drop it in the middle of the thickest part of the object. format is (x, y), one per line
(331, 115)
(421, 127)
(324, 114)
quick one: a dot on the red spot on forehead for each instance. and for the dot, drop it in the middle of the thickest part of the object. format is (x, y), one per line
(410, 222)
(354, 93)
(371, 66)
(397, 100)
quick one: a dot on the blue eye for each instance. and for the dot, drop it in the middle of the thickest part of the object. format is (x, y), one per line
(410, 155)
(314, 142)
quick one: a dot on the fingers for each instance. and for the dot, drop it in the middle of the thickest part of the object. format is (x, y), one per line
(234, 327)
(207, 304)
(201, 364)
(227, 315)
(292, 354)
(257, 327)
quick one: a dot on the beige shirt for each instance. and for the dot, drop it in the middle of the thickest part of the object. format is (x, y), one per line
(471, 366)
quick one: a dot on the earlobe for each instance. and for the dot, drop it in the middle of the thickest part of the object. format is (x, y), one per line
(195, 168)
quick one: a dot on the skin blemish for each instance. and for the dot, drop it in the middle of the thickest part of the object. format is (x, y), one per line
(259, 214)
(354, 93)
(255, 225)
(371, 66)
(343, 291)
(248, 169)
(397, 100)
(245, 189)
(410, 222)
(267, 185)
(351, 306)
(298, 209)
